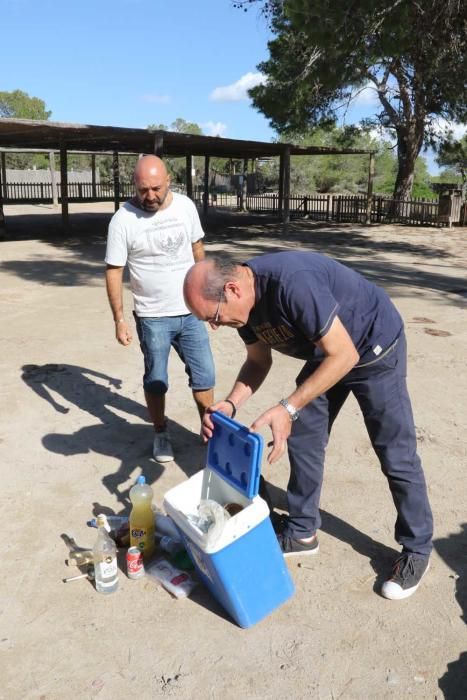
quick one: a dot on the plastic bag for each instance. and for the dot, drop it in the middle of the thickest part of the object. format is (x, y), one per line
(211, 520)
(177, 582)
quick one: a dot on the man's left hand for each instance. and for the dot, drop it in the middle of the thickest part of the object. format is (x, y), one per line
(279, 421)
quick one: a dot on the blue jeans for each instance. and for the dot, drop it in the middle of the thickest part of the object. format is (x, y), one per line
(189, 337)
(381, 392)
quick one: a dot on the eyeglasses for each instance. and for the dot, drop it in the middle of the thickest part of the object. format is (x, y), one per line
(216, 315)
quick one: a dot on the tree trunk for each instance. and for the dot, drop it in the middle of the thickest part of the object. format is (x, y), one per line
(409, 143)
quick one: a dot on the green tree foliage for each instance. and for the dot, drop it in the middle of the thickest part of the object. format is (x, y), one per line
(331, 173)
(422, 181)
(453, 155)
(19, 105)
(344, 174)
(412, 53)
(126, 166)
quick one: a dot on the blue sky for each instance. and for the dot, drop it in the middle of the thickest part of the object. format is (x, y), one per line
(137, 62)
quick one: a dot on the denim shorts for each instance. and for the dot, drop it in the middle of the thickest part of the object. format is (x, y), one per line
(189, 337)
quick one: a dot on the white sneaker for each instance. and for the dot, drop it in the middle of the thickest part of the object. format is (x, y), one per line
(408, 571)
(162, 449)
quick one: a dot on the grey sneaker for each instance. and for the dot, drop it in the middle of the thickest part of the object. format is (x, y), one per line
(291, 547)
(162, 449)
(408, 571)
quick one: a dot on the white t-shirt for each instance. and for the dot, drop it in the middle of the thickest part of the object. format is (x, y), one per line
(157, 248)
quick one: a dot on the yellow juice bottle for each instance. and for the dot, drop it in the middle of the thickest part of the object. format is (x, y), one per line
(142, 518)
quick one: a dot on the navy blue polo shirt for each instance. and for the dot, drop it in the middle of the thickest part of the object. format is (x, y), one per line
(298, 296)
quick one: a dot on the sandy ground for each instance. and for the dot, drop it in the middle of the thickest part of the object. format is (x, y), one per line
(74, 435)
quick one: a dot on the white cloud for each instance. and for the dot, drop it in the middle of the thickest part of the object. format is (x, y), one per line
(379, 133)
(366, 96)
(443, 127)
(239, 90)
(214, 128)
(158, 99)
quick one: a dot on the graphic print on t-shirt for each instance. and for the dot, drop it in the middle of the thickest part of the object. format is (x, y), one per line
(273, 335)
(165, 237)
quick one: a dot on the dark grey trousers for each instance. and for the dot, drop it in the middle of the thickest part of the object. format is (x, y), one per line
(381, 392)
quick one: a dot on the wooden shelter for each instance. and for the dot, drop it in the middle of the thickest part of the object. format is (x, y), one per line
(16, 134)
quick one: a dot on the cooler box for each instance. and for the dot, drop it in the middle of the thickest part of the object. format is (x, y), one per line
(245, 568)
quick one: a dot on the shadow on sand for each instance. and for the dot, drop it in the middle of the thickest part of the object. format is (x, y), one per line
(453, 550)
(243, 236)
(113, 436)
(379, 555)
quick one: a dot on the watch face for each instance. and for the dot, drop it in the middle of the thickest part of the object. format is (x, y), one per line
(293, 413)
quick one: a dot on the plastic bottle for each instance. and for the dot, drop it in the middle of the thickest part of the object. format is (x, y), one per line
(170, 545)
(118, 528)
(114, 522)
(105, 559)
(142, 518)
(166, 526)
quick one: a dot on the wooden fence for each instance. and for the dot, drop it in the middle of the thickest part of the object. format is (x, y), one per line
(41, 193)
(326, 207)
(351, 208)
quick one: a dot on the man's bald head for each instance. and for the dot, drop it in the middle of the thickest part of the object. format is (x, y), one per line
(152, 184)
(196, 283)
(149, 165)
(220, 292)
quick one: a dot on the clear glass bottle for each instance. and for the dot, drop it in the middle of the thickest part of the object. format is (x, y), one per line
(105, 559)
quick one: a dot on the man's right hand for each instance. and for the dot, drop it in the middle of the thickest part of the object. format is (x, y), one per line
(123, 333)
(207, 426)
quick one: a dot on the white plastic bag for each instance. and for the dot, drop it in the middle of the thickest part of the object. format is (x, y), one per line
(174, 580)
(211, 520)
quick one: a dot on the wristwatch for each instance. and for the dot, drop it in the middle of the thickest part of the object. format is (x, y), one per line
(291, 410)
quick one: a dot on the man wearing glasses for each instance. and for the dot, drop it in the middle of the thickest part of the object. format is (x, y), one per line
(352, 340)
(158, 234)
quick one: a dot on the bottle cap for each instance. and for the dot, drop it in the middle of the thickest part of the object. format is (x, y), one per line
(141, 480)
(102, 521)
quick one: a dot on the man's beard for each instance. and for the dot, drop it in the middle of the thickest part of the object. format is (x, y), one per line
(155, 206)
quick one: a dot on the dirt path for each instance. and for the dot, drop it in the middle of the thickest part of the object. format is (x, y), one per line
(73, 437)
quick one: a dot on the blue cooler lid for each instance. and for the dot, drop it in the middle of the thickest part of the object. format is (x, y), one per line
(235, 454)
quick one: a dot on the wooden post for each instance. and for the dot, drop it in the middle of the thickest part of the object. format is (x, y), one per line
(53, 179)
(189, 176)
(369, 196)
(64, 188)
(116, 174)
(93, 176)
(243, 188)
(159, 144)
(2, 216)
(286, 186)
(280, 202)
(3, 177)
(206, 186)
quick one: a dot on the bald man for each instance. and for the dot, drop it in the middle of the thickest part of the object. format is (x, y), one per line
(158, 235)
(351, 339)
